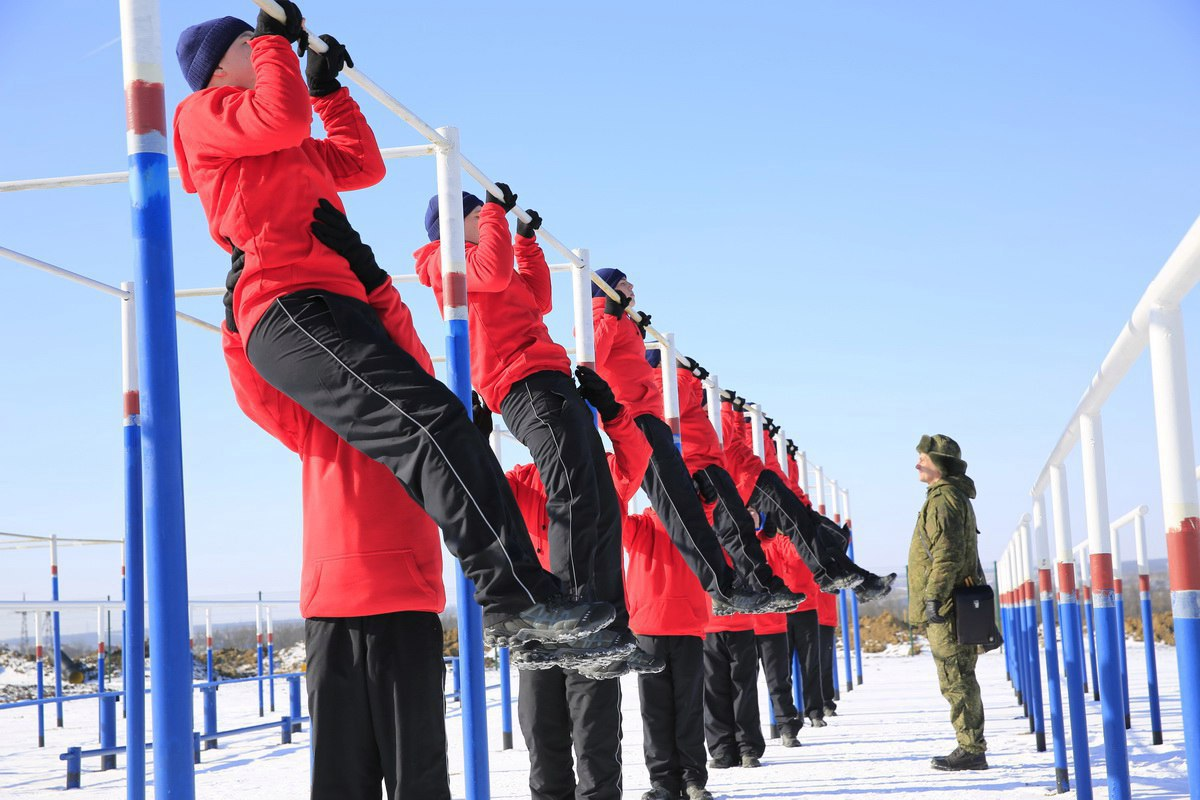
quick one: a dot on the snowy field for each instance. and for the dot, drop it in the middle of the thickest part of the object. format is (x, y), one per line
(879, 745)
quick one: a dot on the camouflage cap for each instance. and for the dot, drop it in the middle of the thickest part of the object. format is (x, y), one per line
(944, 452)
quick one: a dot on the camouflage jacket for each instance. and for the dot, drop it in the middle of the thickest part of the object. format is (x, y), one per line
(945, 551)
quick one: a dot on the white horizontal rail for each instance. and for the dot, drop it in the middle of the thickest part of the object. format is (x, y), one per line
(1140, 511)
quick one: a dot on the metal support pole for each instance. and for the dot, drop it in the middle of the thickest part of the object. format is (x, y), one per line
(912, 644)
(843, 600)
(108, 730)
(294, 701)
(209, 702)
(1139, 535)
(1050, 642)
(458, 378)
(671, 389)
(853, 596)
(581, 295)
(41, 686)
(1030, 610)
(258, 655)
(797, 682)
(1068, 607)
(271, 657)
(208, 649)
(1108, 645)
(133, 592)
(1119, 596)
(1085, 572)
(506, 736)
(171, 669)
(1181, 514)
(57, 631)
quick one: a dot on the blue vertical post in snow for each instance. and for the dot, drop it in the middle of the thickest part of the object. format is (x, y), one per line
(797, 683)
(506, 738)
(1090, 618)
(844, 618)
(141, 44)
(1030, 608)
(57, 633)
(857, 627)
(1118, 593)
(1151, 661)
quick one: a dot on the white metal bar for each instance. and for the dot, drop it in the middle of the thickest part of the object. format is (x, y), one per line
(29, 261)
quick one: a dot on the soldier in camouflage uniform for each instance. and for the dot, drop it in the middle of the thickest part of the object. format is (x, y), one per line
(943, 555)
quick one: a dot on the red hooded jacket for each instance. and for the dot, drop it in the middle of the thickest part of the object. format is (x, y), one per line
(250, 155)
(509, 341)
(701, 448)
(740, 461)
(368, 547)
(827, 613)
(663, 595)
(621, 361)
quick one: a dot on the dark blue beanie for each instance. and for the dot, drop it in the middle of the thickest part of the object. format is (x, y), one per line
(610, 275)
(470, 203)
(202, 46)
(654, 357)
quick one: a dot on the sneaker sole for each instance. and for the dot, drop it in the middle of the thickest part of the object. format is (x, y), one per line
(560, 633)
(571, 659)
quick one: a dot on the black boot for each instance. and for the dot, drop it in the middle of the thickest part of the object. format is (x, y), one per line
(959, 760)
(873, 587)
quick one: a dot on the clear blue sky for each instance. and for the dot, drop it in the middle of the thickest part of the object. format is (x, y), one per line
(877, 219)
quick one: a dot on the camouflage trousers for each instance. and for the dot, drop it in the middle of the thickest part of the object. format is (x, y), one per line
(956, 675)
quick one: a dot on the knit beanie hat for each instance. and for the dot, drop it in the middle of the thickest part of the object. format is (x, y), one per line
(470, 203)
(202, 46)
(610, 275)
(944, 452)
(654, 357)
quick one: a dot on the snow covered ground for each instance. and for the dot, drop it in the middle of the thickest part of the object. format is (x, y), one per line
(878, 746)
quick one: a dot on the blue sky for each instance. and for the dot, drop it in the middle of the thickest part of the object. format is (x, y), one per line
(877, 219)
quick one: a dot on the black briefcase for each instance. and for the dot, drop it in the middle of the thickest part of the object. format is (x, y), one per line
(975, 616)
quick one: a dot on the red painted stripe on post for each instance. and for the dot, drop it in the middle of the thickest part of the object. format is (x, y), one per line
(54, 569)
(1044, 582)
(1183, 555)
(1102, 572)
(1066, 578)
(1087, 594)
(100, 648)
(1143, 583)
(133, 404)
(1118, 585)
(145, 108)
(454, 290)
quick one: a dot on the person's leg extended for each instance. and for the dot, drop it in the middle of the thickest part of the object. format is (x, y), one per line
(801, 525)
(735, 529)
(546, 725)
(595, 708)
(656, 691)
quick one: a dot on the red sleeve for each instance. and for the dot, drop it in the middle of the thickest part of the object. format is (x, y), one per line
(637, 532)
(631, 454)
(270, 409)
(275, 115)
(533, 269)
(604, 334)
(349, 148)
(490, 263)
(740, 460)
(397, 319)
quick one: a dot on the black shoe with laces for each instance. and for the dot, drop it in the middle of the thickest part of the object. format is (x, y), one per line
(659, 792)
(742, 601)
(560, 619)
(832, 583)
(750, 762)
(637, 660)
(722, 762)
(598, 649)
(960, 759)
(873, 587)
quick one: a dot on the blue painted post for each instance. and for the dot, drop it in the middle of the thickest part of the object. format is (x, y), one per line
(506, 738)
(108, 730)
(258, 644)
(1118, 594)
(294, 701)
(1181, 514)
(133, 573)
(797, 682)
(1035, 670)
(99, 649)
(1151, 661)
(271, 657)
(210, 715)
(1108, 644)
(74, 766)
(41, 685)
(1068, 606)
(58, 706)
(854, 601)
(458, 378)
(145, 104)
(1090, 617)
(457, 678)
(843, 619)
(837, 681)
(208, 650)
(772, 727)
(1050, 641)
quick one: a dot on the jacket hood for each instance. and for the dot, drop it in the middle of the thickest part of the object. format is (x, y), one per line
(960, 482)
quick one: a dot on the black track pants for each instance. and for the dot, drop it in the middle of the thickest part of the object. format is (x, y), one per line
(673, 496)
(332, 355)
(828, 653)
(673, 712)
(375, 689)
(735, 529)
(775, 655)
(804, 636)
(547, 415)
(800, 523)
(732, 726)
(557, 707)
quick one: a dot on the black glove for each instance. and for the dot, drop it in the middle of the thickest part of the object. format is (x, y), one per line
(791, 448)
(643, 323)
(704, 487)
(931, 611)
(527, 229)
(596, 391)
(481, 415)
(739, 403)
(694, 367)
(331, 227)
(292, 29)
(322, 69)
(615, 307)
(237, 263)
(508, 201)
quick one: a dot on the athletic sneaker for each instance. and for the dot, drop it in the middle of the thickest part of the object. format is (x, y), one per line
(874, 586)
(637, 661)
(599, 649)
(785, 600)
(695, 791)
(847, 580)
(959, 760)
(722, 762)
(749, 761)
(657, 792)
(559, 619)
(742, 601)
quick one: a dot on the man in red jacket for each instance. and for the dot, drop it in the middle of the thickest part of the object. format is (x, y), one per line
(243, 143)
(517, 368)
(621, 361)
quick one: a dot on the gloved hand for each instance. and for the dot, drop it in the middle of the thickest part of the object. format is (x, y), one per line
(237, 263)
(331, 227)
(643, 323)
(739, 403)
(322, 69)
(931, 611)
(615, 307)
(694, 367)
(596, 391)
(292, 29)
(791, 448)
(527, 229)
(704, 486)
(481, 415)
(508, 201)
